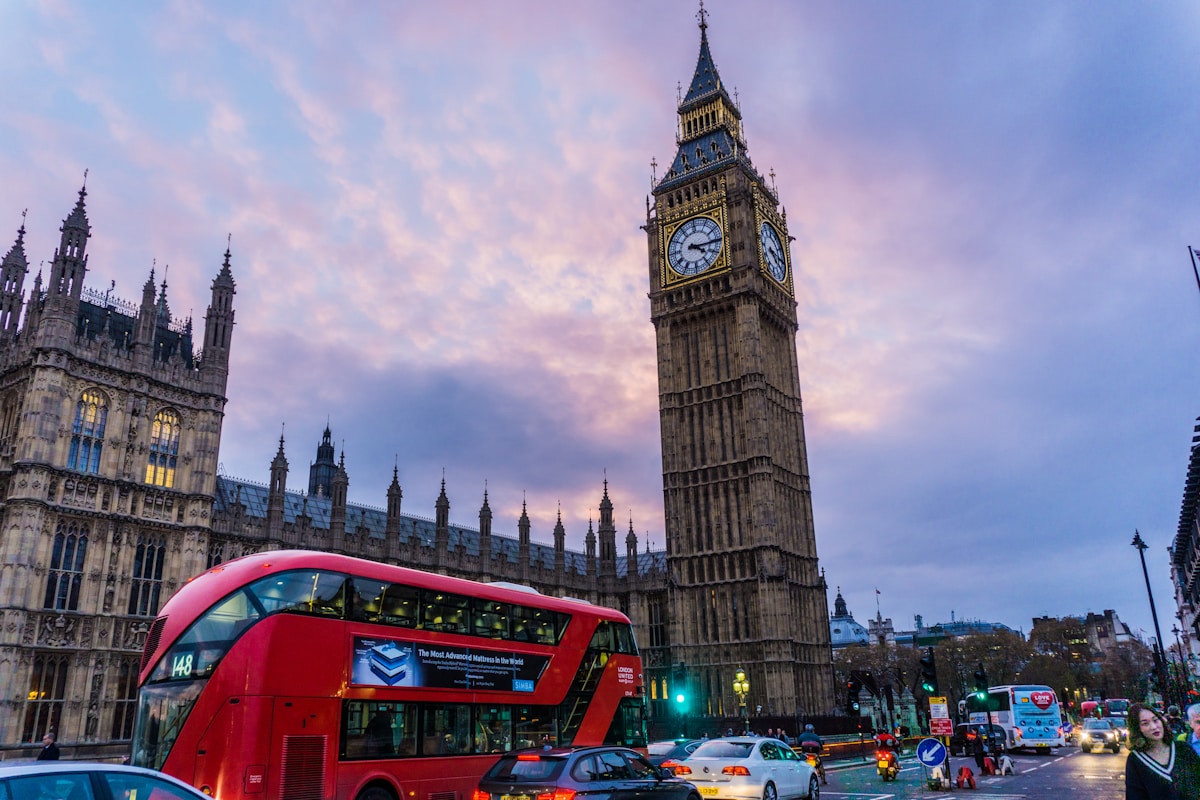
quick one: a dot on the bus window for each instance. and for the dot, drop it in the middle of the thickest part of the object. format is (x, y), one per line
(490, 618)
(537, 625)
(447, 729)
(535, 726)
(378, 730)
(612, 637)
(441, 611)
(493, 729)
(385, 603)
(320, 593)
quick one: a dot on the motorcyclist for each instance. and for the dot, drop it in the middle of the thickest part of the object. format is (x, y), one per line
(887, 741)
(811, 744)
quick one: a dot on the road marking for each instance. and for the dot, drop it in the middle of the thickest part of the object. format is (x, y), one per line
(858, 794)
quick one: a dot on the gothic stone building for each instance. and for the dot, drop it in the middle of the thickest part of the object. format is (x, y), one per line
(110, 424)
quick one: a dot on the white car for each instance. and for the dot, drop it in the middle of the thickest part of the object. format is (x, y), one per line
(49, 780)
(748, 768)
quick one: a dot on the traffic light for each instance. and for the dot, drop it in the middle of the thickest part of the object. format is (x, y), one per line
(929, 673)
(1156, 681)
(853, 687)
(679, 687)
(981, 683)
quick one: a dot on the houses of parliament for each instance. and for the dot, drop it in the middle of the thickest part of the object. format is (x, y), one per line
(110, 498)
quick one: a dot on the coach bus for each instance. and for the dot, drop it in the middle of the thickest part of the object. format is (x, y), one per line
(290, 675)
(1029, 714)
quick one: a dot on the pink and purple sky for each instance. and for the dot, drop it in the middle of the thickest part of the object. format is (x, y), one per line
(435, 213)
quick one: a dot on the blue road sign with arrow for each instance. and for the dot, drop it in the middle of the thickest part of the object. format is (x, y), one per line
(931, 752)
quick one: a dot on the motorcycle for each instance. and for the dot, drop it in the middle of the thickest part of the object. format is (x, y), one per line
(813, 757)
(888, 764)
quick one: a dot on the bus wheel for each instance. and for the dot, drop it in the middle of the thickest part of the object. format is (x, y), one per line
(375, 793)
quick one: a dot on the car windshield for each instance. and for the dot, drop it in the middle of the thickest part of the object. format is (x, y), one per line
(660, 748)
(720, 749)
(1097, 725)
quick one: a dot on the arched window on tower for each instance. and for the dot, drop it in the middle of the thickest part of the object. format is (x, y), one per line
(164, 448)
(147, 576)
(87, 434)
(66, 566)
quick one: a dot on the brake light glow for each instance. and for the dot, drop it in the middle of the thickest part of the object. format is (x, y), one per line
(735, 770)
(529, 757)
(677, 768)
(479, 794)
(557, 794)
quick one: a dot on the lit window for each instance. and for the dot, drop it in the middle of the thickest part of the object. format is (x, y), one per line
(87, 434)
(164, 447)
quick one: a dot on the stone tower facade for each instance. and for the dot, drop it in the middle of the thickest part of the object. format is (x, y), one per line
(110, 424)
(741, 550)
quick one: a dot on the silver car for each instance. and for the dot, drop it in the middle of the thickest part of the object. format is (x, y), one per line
(748, 768)
(84, 780)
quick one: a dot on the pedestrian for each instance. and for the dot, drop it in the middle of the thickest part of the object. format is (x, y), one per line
(1158, 767)
(1175, 724)
(49, 748)
(1192, 737)
(978, 749)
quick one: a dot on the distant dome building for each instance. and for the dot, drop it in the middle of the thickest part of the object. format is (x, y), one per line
(843, 630)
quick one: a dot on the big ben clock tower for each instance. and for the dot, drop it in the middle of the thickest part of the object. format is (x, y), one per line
(745, 588)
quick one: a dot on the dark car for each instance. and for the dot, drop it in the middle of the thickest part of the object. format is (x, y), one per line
(45, 780)
(599, 773)
(678, 749)
(962, 743)
(1099, 733)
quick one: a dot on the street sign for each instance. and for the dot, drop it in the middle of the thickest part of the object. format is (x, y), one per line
(938, 708)
(931, 752)
(941, 726)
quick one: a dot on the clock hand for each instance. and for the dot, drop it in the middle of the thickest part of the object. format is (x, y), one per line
(702, 245)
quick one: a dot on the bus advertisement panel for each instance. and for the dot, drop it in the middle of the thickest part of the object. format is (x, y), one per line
(1029, 714)
(306, 674)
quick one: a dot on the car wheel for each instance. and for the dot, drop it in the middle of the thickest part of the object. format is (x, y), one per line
(814, 789)
(769, 792)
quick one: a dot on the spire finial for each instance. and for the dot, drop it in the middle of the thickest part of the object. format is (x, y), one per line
(702, 16)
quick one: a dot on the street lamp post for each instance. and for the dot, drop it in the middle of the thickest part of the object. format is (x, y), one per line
(1184, 677)
(741, 687)
(1158, 650)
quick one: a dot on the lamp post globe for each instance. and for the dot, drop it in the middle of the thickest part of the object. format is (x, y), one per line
(741, 687)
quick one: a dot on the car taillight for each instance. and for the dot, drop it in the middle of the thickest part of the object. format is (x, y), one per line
(737, 770)
(480, 794)
(557, 794)
(529, 757)
(677, 768)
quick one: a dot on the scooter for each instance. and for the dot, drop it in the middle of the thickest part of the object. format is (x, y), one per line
(888, 763)
(813, 757)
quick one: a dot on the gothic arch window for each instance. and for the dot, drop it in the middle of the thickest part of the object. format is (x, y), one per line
(125, 702)
(87, 434)
(66, 567)
(147, 576)
(47, 693)
(164, 448)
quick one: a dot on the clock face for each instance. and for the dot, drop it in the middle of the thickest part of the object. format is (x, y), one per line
(694, 246)
(772, 249)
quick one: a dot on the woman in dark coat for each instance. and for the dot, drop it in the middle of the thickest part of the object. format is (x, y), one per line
(1158, 767)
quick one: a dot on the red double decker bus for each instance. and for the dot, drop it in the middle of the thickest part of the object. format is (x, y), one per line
(291, 675)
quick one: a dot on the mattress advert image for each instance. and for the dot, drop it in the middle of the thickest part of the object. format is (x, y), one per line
(393, 662)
